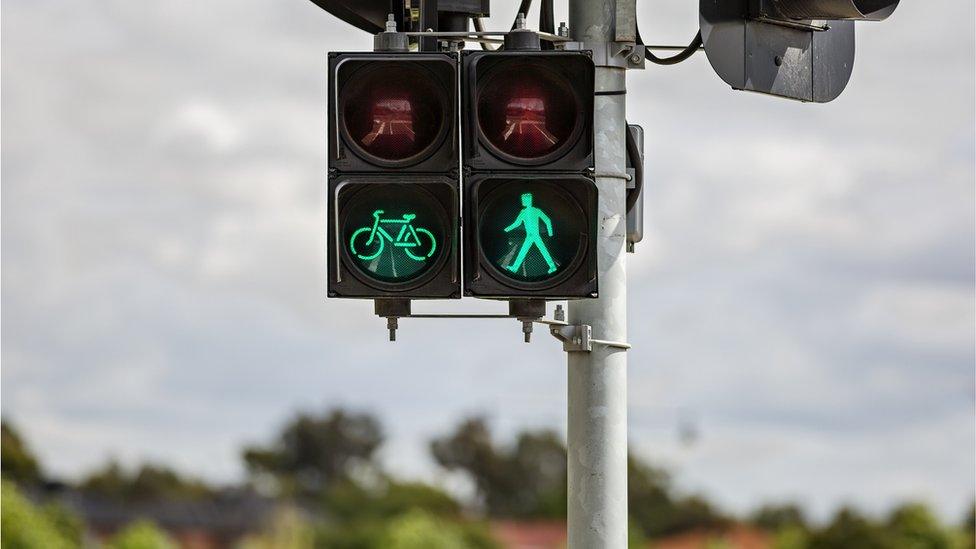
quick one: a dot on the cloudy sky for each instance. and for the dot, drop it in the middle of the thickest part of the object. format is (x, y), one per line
(804, 298)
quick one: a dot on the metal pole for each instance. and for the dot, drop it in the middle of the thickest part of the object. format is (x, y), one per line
(597, 433)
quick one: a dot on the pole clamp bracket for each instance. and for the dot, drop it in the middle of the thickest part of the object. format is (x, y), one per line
(622, 55)
(578, 338)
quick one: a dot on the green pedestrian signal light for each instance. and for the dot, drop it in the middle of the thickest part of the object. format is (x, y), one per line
(530, 235)
(529, 219)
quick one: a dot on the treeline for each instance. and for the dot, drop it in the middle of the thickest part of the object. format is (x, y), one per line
(327, 466)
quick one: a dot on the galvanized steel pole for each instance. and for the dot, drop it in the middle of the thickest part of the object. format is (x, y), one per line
(597, 432)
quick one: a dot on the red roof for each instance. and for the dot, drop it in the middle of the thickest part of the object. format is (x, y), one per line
(549, 534)
(738, 537)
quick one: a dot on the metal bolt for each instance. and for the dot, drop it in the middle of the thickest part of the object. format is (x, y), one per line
(563, 29)
(635, 58)
(520, 22)
(390, 23)
(527, 330)
(560, 313)
(391, 324)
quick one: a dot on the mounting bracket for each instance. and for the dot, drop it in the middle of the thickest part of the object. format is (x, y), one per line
(575, 337)
(612, 54)
(578, 338)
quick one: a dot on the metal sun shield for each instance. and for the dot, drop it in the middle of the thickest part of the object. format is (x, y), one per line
(368, 15)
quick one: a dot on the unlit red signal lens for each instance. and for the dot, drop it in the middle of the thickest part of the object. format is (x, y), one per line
(393, 112)
(526, 111)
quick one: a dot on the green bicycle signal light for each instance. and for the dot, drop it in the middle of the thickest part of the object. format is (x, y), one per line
(399, 258)
(393, 237)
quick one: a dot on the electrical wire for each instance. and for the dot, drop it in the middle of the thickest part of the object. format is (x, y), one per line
(480, 27)
(547, 22)
(523, 8)
(693, 47)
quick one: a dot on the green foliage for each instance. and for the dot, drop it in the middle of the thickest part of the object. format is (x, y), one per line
(849, 528)
(287, 530)
(17, 463)
(351, 501)
(315, 452)
(635, 535)
(140, 535)
(69, 525)
(909, 526)
(966, 537)
(776, 517)
(24, 526)
(149, 482)
(527, 480)
(477, 536)
(362, 515)
(657, 512)
(791, 537)
(356, 534)
(421, 530)
(415, 528)
(914, 527)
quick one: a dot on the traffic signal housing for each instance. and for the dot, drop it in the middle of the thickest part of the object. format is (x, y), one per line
(799, 49)
(393, 206)
(530, 201)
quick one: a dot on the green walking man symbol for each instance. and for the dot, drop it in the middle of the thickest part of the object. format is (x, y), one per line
(529, 218)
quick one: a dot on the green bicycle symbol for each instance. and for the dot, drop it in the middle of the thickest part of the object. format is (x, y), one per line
(367, 243)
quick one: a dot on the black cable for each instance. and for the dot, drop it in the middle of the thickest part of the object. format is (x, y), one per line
(547, 23)
(675, 59)
(523, 8)
(480, 27)
(635, 160)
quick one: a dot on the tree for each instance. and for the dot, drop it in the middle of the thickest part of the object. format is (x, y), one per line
(17, 462)
(540, 457)
(848, 529)
(287, 529)
(526, 480)
(420, 530)
(657, 511)
(140, 535)
(776, 517)
(314, 452)
(349, 501)
(148, 482)
(968, 533)
(25, 526)
(914, 526)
